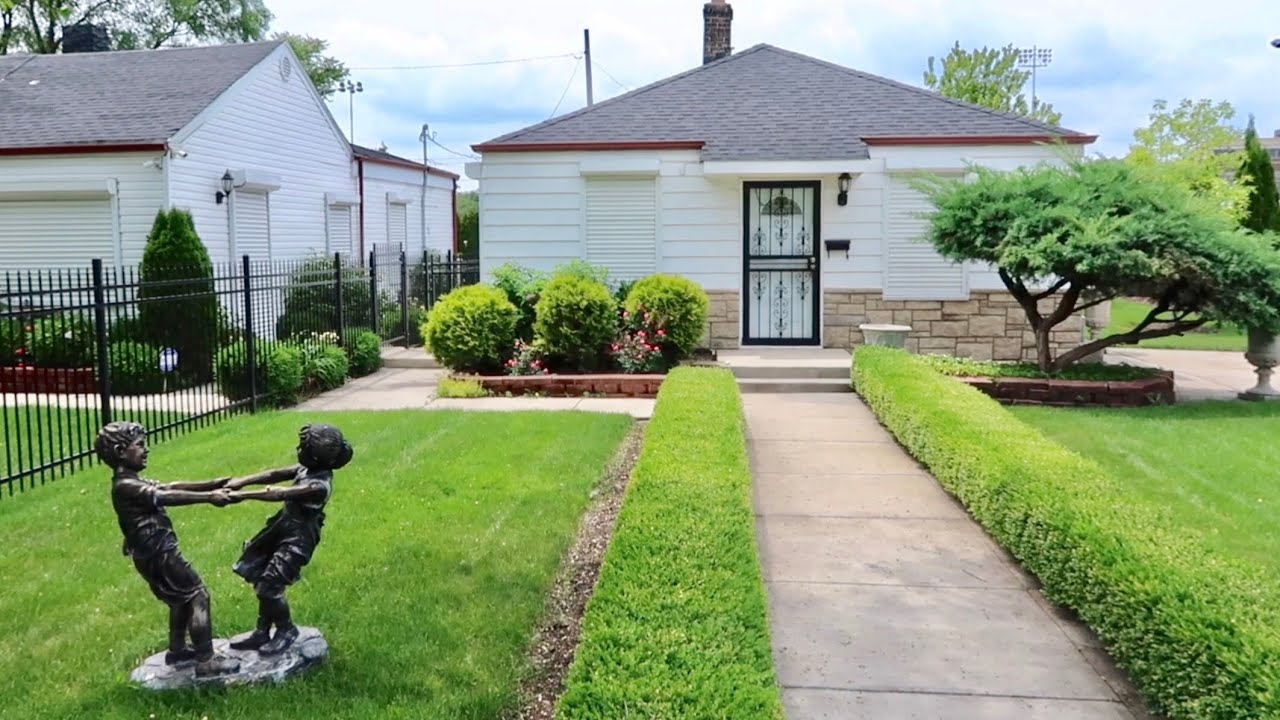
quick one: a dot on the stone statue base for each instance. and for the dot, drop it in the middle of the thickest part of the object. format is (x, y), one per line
(309, 649)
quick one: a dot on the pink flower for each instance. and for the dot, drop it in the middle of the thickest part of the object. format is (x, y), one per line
(625, 314)
(546, 372)
(662, 333)
(615, 347)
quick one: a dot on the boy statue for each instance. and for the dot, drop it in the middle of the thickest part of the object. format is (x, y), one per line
(273, 559)
(149, 539)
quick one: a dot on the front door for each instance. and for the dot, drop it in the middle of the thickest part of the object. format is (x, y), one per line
(780, 223)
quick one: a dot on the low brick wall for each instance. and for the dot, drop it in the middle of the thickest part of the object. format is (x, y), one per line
(638, 386)
(1119, 393)
(987, 326)
(59, 381)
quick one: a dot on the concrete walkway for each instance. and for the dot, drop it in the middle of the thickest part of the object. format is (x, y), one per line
(886, 599)
(414, 389)
(1197, 374)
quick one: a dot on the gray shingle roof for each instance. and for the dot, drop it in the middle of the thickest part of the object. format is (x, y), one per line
(766, 103)
(372, 154)
(114, 98)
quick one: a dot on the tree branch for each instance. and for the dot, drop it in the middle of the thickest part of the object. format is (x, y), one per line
(1095, 303)
(1066, 306)
(1023, 296)
(92, 9)
(1133, 336)
(1056, 287)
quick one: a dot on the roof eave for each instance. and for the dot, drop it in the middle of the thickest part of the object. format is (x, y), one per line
(79, 149)
(431, 170)
(979, 139)
(590, 146)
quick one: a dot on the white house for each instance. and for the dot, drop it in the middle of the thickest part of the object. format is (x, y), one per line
(405, 203)
(780, 183)
(92, 144)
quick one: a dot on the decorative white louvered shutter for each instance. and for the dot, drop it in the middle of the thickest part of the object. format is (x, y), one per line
(55, 233)
(622, 226)
(253, 225)
(340, 237)
(914, 270)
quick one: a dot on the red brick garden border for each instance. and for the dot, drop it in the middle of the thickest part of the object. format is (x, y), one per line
(1157, 390)
(62, 381)
(638, 386)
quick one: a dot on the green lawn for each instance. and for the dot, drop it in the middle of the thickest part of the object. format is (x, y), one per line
(1126, 314)
(443, 537)
(1206, 467)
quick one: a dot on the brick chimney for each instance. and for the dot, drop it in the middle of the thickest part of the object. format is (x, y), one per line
(717, 16)
(85, 37)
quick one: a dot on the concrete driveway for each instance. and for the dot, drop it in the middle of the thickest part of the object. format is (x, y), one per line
(1197, 374)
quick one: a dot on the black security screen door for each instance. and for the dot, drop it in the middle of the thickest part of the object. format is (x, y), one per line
(780, 223)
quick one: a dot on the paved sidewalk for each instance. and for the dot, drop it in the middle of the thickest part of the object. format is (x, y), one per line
(1197, 374)
(414, 389)
(886, 599)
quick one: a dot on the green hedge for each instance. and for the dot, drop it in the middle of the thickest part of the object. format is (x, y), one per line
(1199, 634)
(678, 626)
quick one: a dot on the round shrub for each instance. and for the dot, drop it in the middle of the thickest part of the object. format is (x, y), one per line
(364, 350)
(176, 282)
(279, 373)
(471, 328)
(135, 368)
(576, 320)
(285, 374)
(324, 368)
(679, 306)
(62, 341)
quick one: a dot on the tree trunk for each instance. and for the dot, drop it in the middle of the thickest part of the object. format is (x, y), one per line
(1044, 356)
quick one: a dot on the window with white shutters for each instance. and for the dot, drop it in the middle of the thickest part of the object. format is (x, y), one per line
(253, 225)
(397, 223)
(55, 233)
(913, 269)
(340, 237)
(622, 226)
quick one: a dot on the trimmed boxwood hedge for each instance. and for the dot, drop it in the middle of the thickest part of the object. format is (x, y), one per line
(1198, 633)
(678, 625)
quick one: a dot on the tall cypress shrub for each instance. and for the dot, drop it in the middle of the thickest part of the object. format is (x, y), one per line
(1264, 202)
(178, 308)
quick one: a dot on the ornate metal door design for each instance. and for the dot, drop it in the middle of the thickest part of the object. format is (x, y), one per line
(780, 222)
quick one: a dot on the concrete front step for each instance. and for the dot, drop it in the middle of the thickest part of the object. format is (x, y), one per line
(792, 372)
(794, 385)
(415, 358)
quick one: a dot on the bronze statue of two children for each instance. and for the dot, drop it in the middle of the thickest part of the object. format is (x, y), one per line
(271, 561)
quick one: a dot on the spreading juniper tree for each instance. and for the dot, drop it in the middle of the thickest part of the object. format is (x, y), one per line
(1070, 236)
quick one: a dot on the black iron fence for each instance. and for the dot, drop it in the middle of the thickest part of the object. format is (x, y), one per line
(182, 348)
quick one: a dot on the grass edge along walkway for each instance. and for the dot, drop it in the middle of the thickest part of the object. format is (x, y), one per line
(1198, 634)
(678, 626)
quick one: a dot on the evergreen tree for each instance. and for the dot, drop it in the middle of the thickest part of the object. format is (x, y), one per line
(178, 307)
(1263, 211)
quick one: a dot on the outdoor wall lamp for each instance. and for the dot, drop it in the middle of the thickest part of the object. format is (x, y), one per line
(843, 198)
(228, 183)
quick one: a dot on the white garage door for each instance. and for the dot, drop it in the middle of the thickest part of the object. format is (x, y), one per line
(253, 226)
(42, 234)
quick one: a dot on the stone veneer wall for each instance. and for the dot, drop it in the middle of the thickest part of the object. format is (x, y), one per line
(987, 326)
(723, 321)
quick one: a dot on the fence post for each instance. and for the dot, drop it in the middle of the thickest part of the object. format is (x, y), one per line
(404, 295)
(100, 329)
(340, 320)
(375, 314)
(250, 342)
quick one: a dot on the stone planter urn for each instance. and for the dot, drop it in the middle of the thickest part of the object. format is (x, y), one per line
(1264, 354)
(1098, 316)
(886, 335)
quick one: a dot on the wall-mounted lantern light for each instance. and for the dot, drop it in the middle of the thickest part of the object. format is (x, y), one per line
(843, 198)
(228, 183)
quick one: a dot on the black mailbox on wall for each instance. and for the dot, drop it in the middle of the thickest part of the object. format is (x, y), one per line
(837, 246)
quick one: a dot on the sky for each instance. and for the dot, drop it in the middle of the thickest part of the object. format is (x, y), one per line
(1111, 58)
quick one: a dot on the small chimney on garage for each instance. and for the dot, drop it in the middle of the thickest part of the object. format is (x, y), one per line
(85, 37)
(717, 16)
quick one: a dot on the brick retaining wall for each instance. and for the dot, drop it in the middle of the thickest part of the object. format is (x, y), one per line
(638, 386)
(1156, 390)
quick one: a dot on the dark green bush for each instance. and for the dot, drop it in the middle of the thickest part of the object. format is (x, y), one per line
(679, 306)
(12, 339)
(471, 328)
(62, 341)
(391, 320)
(178, 308)
(135, 368)
(279, 376)
(965, 367)
(576, 320)
(128, 329)
(522, 287)
(324, 367)
(311, 299)
(1198, 633)
(678, 625)
(364, 350)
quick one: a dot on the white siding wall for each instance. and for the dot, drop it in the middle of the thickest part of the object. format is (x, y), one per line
(139, 191)
(267, 124)
(381, 179)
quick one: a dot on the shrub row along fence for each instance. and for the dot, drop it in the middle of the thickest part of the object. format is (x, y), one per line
(187, 347)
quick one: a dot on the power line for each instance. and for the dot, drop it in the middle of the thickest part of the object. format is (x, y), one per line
(566, 87)
(465, 156)
(470, 64)
(609, 75)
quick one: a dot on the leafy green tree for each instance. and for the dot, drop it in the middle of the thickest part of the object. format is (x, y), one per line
(178, 308)
(1263, 211)
(35, 26)
(326, 72)
(1189, 146)
(1066, 238)
(988, 77)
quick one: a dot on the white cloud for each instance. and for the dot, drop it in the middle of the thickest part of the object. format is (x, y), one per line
(1111, 59)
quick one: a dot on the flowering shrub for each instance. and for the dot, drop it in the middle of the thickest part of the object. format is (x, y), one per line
(527, 360)
(639, 348)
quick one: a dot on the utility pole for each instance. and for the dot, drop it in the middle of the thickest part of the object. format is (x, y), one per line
(422, 205)
(586, 53)
(1034, 58)
(351, 89)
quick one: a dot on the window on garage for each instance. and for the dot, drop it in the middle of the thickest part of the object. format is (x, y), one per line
(397, 223)
(913, 269)
(341, 239)
(56, 230)
(252, 211)
(622, 226)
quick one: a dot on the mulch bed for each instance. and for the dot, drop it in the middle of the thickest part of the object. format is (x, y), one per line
(633, 386)
(1157, 390)
(556, 639)
(31, 379)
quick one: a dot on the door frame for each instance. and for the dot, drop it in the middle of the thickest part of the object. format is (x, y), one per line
(815, 339)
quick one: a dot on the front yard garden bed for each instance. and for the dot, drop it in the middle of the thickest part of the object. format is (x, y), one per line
(1196, 628)
(58, 381)
(1092, 384)
(619, 385)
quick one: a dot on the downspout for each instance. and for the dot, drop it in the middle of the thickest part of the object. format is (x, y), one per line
(457, 241)
(360, 176)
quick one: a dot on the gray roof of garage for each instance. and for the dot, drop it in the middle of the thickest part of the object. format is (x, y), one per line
(114, 98)
(766, 103)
